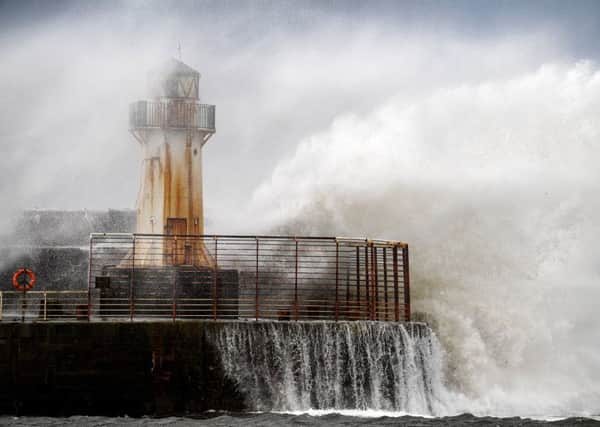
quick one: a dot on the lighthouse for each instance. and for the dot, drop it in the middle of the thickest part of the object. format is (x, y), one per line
(172, 128)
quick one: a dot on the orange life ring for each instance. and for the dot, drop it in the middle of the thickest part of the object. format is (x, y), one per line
(23, 286)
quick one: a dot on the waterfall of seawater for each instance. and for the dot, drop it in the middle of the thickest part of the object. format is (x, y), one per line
(292, 366)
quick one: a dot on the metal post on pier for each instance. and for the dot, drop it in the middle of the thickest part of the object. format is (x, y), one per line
(89, 293)
(132, 272)
(375, 284)
(396, 302)
(367, 284)
(215, 273)
(23, 305)
(358, 281)
(174, 303)
(371, 281)
(256, 310)
(385, 283)
(337, 275)
(406, 277)
(296, 282)
(347, 306)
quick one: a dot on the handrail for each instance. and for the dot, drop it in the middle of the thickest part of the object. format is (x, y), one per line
(259, 236)
(43, 305)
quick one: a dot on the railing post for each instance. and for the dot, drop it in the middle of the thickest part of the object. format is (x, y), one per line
(46, 306)
(372, 284)
(296, 283)
(347, 306)
(89, 295)
(358, 279)
(1, 305)
(406, 276)
(23, 305)
(256, 310)
(385, 283)
(337, 274)
(396, 305)
(215, 273)
(375, 284)
(131, 290)
(174, 305)
(367, 284)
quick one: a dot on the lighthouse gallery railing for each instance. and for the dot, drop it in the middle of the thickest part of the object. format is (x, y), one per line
(171, 114)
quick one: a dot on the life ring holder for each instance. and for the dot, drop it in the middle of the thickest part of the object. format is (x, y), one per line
(23, 286)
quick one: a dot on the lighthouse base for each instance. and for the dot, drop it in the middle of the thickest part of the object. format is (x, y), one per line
(183, 292)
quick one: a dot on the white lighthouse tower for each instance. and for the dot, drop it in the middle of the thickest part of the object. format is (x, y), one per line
(172, 128)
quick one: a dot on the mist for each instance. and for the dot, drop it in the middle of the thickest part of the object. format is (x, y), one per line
(493, 185)
(477, 147)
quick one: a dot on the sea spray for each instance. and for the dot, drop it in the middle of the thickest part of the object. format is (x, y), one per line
(295, 366)
(494, 186)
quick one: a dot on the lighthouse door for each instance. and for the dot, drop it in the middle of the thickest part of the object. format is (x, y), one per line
(176, 248)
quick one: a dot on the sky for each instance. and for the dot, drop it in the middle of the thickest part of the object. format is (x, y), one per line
(278, 72)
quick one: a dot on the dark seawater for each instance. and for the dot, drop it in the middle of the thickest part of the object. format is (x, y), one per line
(272, 419)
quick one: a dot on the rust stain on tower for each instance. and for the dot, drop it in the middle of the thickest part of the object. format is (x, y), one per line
(172, 128)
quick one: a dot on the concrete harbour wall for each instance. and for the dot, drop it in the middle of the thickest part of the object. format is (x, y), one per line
(188, 367)
(111, 368)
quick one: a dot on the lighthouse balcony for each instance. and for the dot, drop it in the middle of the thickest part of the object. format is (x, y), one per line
(171, 114)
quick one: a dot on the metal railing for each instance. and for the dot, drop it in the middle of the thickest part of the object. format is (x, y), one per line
(166, 277)
(18, 306)
(171, 114)
(140, 276)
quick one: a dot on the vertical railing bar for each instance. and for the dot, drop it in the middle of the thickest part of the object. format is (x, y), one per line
(132, 273)
(296, 283)
(216, 271)
(371, 284)
(358, 280)
(337, 272)
(385, 283)
(89, 295)
(1, 305)
(367, 284)
(174, 308)
(347, 308)
(374, 284)
(395, 263)
(406, 276)
(23, 305)
(256, 309)
(46, 306)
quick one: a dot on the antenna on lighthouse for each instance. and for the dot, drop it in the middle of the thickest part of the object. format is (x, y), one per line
(179, 50)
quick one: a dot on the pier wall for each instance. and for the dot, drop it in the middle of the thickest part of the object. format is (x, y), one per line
(188, 367)
(111, 368)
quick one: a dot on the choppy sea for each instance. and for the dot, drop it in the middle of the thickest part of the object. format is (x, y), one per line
(306, 419)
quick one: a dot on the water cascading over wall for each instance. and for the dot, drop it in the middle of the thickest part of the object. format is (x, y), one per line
(295, 366)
